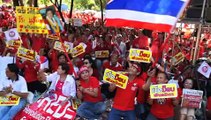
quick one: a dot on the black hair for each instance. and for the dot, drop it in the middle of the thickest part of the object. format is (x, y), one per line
(166, 76)
(61, 54)
(50, 9)
(13, 68)
(193, 86)
(91, 61)
(65, 67)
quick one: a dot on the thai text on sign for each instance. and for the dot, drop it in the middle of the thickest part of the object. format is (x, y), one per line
(140, 55)
(14, 44)
(9, 100)
(26, 54)
(113, 77)
(179, 57)
(191, 98)
(78, 50)
(102, 54)
(163, 91)
(58, 46)
(29, 20)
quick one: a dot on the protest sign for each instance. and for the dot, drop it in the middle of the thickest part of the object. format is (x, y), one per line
(205, 69)
(13, 44)
(163, 91)
(78, 50)
(77, 22)
(9, 100)
(52, 37)
(179, 57)
(48, 109)
(11, 34)
(102, 54)
(58, 46)
(26, 54)
(140, 55)
(113, 77)
(191, 98)
(29, 20)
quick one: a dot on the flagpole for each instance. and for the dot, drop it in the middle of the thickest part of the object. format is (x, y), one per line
(199, 34)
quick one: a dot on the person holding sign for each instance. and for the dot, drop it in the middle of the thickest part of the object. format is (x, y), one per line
(16, 85)
(162, 108)
(124, 99)
(188, 113)
(89, 91)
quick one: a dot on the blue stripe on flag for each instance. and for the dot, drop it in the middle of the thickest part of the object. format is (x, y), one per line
(161, 7)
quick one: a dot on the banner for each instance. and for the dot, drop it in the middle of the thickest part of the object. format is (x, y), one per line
(47, 109)
(58, 46)
(163, 91)
(102, 54)
(29, 20)
(116, 78)
(11, 34)
(9, 100)
(140, 55)
(204, 69)
(13, 44)
(191, 98)
(26, 54)
(179, 57)
(78, 50)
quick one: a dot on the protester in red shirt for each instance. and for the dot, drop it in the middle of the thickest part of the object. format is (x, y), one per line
(162, 109)
(141, 41)
(124, 99)
(208, 111)
(90, 64)
(89, 92)
(38, 42)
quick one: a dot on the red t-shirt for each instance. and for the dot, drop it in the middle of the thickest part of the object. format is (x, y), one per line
(38, 43)
(59, 86)
(91, 84)
(209, 103)
(124, 98)
(140, 42)
(141, 93)
(53, 60)
(118, 67)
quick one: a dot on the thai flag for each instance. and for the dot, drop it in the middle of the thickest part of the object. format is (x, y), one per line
(158, 15)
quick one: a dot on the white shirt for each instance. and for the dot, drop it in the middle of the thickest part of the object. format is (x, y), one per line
(68, 88)
(19, 85)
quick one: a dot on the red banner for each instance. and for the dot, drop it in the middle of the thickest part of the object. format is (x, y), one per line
(47, 109)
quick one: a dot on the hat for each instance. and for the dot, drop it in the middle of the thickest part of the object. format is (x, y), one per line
(83, 68)
(137, 66)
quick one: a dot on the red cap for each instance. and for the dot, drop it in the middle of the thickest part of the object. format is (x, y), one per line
(137, 66)
(83, 68)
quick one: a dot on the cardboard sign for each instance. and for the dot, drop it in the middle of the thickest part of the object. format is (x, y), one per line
(47, 109)
(9, 100)
(116, 78)
(52, 37)
(13, 44)
(58, 46)
(102, 54)
(140, 55)
(77, 22)
(191, 98)
(26, 54)
(205, 69)
(163, 91)
(179, 57)
(78, 50)
(29, 20)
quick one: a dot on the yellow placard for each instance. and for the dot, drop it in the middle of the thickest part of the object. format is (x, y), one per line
(9, 100)
(102, 54)
(78, 50)
(52, 37)
(26, 54)
(58, 46)
(113, 77)
(140, 55)
(75, 103)
(163, 91)
(179, 57)
(29, 20)
(14, 44)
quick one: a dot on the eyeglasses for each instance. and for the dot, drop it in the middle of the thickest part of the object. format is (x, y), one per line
(86, 63)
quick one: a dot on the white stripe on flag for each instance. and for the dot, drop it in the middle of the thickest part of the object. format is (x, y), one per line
(140, 16)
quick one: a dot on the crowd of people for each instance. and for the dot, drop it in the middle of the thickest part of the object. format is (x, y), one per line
(82, 76)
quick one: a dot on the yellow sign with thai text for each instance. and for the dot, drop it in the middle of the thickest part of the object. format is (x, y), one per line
(113, 77)
(9, 100)
(78, 50)
(102, 54)
(179, 57)
(163, 91)
(26, 54)
(140, 55)
(29, 20)
(58, 46)
(14, 44)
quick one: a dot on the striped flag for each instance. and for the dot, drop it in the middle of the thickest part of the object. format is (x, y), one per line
(158, 15)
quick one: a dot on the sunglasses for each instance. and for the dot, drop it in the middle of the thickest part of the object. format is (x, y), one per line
(86, 63)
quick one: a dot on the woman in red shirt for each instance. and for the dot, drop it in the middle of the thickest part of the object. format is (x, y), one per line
(89, 92)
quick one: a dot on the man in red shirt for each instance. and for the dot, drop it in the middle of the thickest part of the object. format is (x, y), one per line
(141, 41)
(124, 99)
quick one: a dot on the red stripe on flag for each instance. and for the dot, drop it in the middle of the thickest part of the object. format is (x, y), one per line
(138, 24)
